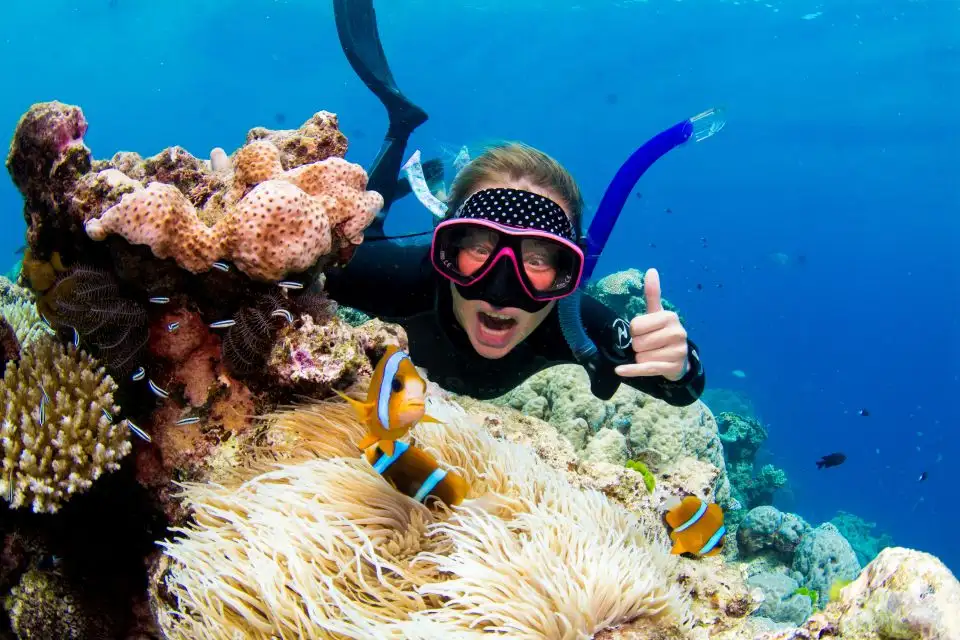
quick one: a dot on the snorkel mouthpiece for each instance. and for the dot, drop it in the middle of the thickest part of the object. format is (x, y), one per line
(698, 128)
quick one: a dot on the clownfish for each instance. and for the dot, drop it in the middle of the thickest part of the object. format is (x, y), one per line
(695, 527)
(417, 474)
(395, 401)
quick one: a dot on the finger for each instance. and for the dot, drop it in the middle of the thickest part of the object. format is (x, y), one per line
(651, 290)
(672, 353)
(668, 336)
(643, 324)
(646, 369)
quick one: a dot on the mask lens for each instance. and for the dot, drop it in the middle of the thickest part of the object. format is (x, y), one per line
(548, 265)
(464, 252)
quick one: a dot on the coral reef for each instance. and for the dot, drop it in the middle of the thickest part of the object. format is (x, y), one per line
(58, 434)
(824, 556)
(43, 605)
(88, 301)
(767, 530)
(283, 225)
(623, 292)
(782, 601)
(902, 593)
(742, 438)
(859, 533)
(187, 278)
(729, 401)
(647, 430)
(197, 286)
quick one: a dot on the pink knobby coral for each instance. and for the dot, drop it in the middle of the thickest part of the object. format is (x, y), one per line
(284, 224)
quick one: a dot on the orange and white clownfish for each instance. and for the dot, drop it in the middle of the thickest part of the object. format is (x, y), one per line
(696, 527)
(395, 401)
(417, 474)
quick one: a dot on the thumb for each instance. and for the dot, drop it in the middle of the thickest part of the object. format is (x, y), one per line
(651, 290)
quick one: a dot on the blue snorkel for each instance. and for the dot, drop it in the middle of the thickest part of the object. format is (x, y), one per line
(698, 128)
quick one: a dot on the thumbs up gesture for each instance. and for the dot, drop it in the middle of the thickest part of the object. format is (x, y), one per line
(659, 341)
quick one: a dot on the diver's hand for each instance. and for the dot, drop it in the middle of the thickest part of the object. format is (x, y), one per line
(659, 340)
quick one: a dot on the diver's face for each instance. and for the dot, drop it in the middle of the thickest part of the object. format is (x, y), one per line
(495, 331)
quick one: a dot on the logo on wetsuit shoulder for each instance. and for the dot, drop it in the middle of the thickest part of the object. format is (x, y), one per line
(622, 332)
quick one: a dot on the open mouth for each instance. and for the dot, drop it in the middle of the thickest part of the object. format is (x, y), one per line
(496, 322)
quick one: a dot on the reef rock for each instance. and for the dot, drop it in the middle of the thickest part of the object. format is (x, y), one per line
(901, 594)
(623, 292)
(655, 432)
(823, 556)
(768, 530)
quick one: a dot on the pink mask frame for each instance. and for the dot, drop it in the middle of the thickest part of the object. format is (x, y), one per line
(507, 246)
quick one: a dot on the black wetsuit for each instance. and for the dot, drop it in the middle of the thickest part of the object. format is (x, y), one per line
(393, 280)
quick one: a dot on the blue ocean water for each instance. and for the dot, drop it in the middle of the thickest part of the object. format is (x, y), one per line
(821, 224)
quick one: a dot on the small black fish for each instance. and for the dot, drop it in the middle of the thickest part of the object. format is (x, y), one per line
(864, 412)
(923, 476)
(699, 287)
(653, 245)
(279, 117)
(639, 195)
(21, 250)
(668, 210)
(831, 460)
(612, 98)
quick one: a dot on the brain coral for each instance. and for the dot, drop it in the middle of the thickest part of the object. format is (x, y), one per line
(281, 222)
(56, 437)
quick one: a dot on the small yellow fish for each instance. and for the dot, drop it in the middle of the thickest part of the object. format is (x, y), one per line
(395, 401)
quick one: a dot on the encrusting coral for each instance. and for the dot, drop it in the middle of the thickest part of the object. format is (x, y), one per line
(321, 546)
(57, 435)
(282, 225)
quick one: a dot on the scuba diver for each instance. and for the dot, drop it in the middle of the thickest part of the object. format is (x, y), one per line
(491, 295)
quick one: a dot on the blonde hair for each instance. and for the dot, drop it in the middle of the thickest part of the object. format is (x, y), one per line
(517, 161)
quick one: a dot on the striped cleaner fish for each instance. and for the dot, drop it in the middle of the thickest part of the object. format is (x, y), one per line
(417, 474)
(395, 401)
(696, 527)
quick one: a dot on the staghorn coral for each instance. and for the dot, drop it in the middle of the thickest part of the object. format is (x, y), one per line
(282, 225)
(366, 561)
(24, 321)
(88, 299)
(57, 436)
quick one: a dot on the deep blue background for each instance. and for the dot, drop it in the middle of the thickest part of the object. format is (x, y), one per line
(841, 148)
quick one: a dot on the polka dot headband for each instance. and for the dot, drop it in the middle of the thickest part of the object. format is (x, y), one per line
(517, 208)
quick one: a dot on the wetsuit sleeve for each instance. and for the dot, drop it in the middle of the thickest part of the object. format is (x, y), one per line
(611, 334)
(386, 279)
